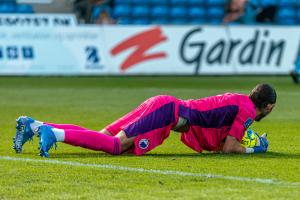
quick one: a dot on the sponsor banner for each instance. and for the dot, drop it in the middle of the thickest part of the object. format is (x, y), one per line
(201, 49)
(266, 50)
(51, 51)
(145, 50)
(37, 20)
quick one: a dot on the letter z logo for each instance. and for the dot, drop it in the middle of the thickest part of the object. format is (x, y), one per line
(142, 43)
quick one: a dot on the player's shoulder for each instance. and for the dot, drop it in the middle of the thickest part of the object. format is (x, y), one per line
(235, 98)
(247, 107)
(243, 101)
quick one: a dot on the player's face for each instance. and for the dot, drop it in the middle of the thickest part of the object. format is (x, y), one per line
(264, 112)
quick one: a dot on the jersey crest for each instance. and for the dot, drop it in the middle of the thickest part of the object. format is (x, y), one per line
(143, 143)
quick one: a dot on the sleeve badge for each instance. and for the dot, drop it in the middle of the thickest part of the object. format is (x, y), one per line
(248, 123)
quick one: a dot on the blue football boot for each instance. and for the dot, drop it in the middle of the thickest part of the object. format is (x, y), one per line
(23, 133)
(47, 140)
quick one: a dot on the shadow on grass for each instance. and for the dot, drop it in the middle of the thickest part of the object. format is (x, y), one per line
(269, 155)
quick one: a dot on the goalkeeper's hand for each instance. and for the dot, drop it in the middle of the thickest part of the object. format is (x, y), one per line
(262, 147)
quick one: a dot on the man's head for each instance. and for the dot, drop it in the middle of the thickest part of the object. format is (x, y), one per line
(264, 98)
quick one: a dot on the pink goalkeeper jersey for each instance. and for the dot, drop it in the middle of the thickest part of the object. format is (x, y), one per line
(211, 119)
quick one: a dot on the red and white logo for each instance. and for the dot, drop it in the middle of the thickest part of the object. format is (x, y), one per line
(142, 42)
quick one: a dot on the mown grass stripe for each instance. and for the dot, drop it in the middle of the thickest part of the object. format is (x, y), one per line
(155, 171)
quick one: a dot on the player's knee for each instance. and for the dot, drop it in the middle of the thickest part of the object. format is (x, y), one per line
(126, 143)
(106, 132)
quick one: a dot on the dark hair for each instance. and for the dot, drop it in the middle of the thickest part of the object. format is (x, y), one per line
(262, 95)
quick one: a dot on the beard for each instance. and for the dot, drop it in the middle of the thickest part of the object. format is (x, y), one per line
(261, 116)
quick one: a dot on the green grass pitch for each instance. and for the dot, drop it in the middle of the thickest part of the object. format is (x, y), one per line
(95, 102)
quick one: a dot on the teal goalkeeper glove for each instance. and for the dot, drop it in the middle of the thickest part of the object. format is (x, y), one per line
(262, 147)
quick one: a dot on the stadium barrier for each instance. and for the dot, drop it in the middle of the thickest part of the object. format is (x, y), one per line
(61, 48)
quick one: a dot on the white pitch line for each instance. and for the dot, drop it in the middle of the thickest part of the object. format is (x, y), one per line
(154, 171)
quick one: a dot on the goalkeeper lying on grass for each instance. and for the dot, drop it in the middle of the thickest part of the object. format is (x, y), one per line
(215, 123)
